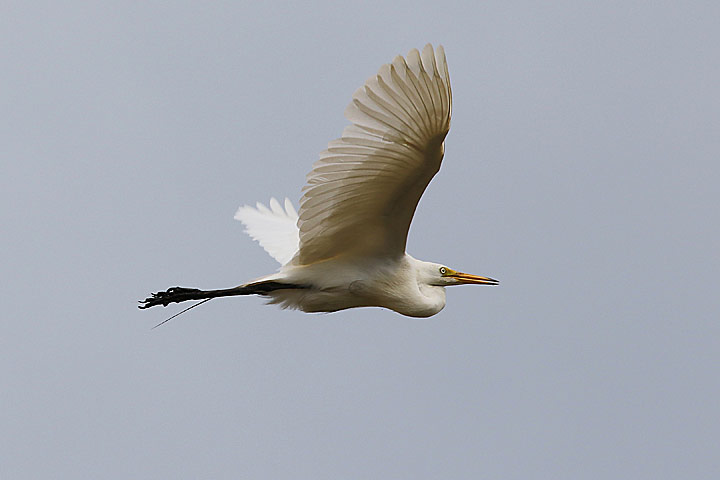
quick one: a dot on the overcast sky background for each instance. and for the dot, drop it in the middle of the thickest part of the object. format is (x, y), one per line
(582, 170)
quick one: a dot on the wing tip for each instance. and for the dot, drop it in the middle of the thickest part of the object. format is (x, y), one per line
(286, 209)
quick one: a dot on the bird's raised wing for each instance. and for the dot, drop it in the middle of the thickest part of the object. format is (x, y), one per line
(274, 228)
(361, 195)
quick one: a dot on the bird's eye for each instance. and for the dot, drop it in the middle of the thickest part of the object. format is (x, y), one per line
(443, 270)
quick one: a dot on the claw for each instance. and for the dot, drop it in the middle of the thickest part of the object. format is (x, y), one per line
(171, 295)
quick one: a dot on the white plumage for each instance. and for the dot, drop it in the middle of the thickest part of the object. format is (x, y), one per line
(345, 247)
(274, 228)
(361, 195)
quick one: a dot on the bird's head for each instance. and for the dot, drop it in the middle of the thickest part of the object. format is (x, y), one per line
(442, 276)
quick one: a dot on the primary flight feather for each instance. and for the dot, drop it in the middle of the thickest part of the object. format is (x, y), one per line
(345, 247)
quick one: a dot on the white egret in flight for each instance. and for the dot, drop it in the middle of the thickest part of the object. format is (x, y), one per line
(345, 247)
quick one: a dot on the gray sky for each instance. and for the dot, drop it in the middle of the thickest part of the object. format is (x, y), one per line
(581, 170)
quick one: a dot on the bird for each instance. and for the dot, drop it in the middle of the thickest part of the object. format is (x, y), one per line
(345, 245)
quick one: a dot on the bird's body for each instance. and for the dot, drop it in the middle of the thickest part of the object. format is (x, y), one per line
(401, 285)
(345, 247)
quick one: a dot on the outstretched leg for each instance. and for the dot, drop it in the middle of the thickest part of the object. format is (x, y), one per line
(182, 294)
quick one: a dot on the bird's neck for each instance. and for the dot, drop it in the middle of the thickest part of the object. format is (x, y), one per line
(434, 300)
(432, 296)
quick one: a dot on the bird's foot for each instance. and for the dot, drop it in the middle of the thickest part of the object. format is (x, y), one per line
(171, 295)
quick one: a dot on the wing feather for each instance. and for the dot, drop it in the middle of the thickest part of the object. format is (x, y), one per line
(361, 194)
(274, 228)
